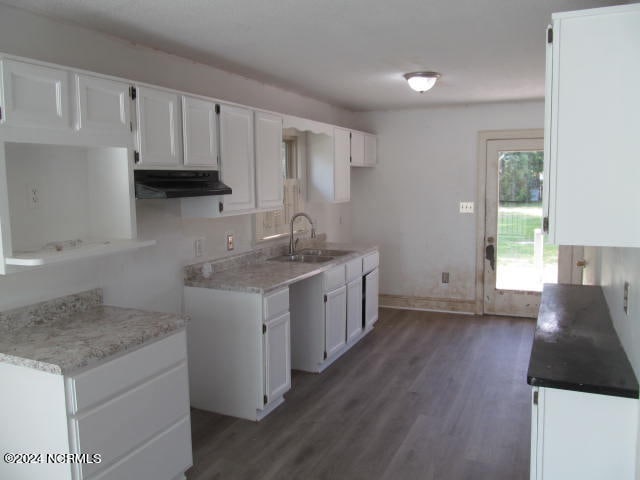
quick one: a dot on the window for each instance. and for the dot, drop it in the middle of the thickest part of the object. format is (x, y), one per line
(275, 223)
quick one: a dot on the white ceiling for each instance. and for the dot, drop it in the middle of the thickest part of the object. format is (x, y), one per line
(351, 53)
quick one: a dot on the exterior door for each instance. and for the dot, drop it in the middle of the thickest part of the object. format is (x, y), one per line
(518, 257)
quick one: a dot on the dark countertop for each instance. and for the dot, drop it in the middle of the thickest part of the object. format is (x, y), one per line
(575, 345)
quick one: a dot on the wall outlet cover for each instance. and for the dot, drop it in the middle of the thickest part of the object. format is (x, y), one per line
(230, 245)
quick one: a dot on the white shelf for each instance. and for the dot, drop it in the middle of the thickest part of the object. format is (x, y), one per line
(93, 249)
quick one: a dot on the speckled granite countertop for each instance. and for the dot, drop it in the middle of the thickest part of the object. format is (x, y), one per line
(254, 273)
(77, 331)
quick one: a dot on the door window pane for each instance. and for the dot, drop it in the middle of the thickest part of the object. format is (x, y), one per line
(524, 258)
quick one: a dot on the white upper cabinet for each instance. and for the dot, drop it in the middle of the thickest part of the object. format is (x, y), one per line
(237, 158)
(199, 125)
(592, 129)
(370, 150)
(341, 162)
(357, 149)
(269, 171)
(104, 108)
(158, 129)
(35, 96)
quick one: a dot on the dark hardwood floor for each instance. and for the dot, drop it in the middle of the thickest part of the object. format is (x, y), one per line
(423, 396)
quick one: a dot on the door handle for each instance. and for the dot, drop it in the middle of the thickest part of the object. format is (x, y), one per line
(490, 254)
(581, 263)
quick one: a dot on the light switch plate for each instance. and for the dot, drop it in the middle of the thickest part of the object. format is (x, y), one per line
(466, 207)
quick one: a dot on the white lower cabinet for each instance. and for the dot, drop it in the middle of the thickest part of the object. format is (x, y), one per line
(582, 435)
(239, 350)
(354, 309)
(132, 411)
(335, 321)
(371, 298)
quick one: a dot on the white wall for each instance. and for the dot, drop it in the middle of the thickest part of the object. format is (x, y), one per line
(150, 278)
(611, 268)
(409, 203)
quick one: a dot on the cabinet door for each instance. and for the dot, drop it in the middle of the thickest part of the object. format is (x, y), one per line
(354, 309)
(341, 165)
(370, 150)
(335, 320)
(104, 108)
(35, 96)
(237, 157)
(200, 132)
(371, 298)
(159, 135)
(269, 173)
(594, 138)
(277, 357)
(357, 149)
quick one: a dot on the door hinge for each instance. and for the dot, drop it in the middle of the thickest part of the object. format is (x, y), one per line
(545, 224)
(535, 397)
(220, 207)
(325, 299)
(131, 126)
(265, 400)
(325, 355)
(264, 329)
(136, 157)
(217, 109)
(133, 93)
(550, 35)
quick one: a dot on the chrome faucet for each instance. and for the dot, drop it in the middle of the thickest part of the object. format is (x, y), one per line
(292, 244)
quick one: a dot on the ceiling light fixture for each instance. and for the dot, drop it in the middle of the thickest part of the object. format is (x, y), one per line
(422, 81)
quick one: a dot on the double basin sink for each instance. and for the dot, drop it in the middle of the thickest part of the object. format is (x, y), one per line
(311, 255)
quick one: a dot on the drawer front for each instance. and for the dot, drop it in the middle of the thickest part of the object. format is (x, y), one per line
(97, 384)
(334, 278)
(164, 458)
(371, 261)
(276, 303)
(126, 422)
(354, 269)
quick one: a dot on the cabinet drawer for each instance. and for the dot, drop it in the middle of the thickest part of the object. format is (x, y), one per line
(354, 269)
(126, 422)
(371, 261)
(165, 457)
(334, 278)
(97, 384)
(276, 303)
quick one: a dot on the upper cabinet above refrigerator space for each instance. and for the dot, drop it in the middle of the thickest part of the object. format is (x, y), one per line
(592, 127)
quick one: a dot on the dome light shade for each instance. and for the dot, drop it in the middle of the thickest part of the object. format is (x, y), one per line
(422, 81)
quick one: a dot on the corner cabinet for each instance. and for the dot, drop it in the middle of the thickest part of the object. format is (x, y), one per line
(591, 130)
(239, 350)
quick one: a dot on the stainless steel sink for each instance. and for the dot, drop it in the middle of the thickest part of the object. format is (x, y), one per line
(300, 258)
(324, 252)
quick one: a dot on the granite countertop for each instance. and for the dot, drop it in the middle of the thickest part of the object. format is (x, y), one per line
(58, 338)
(260, 275)
(575, 345)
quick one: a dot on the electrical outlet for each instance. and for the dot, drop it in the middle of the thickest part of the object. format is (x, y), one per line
(625, 298)
(33, 196)
(466, 207)
(230, 241)
(445, 277)
(198, 245)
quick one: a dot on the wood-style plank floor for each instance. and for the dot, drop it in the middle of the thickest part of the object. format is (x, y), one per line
(424, 396)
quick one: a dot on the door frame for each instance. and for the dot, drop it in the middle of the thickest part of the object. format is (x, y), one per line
(483, 137)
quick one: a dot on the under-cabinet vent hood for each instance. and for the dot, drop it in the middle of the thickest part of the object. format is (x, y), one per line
(178, 183)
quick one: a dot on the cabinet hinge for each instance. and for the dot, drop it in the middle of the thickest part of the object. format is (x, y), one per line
(264, 329)
(220, 207)
(535, 397)
(133, 93)
(217, 109)
(131, 126)
(350, 159)
(325, 299)
(265, 400)
(545, 224)
(136, 157)
(0, 113)
(550, 35)
(325, 355)
(350, 135)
